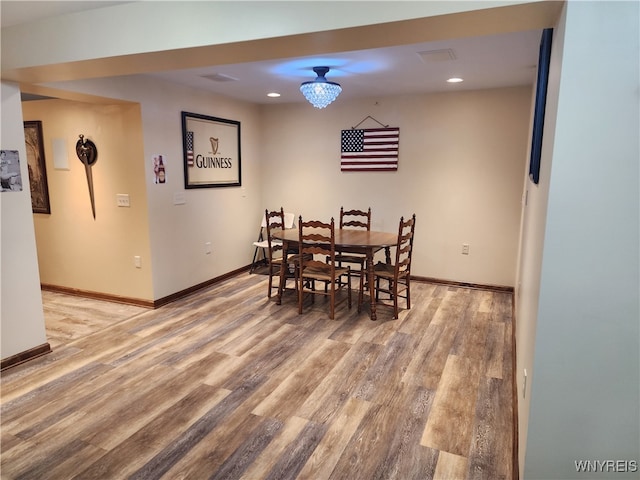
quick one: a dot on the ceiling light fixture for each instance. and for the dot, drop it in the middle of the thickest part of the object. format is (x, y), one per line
(455, 80)
(320, 92)
(273, 94)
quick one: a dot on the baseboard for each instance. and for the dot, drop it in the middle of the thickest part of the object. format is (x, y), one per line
(188, 291)
(140, 302)
(25, 356)
(480, 286)
(98, 296)
(514, 403)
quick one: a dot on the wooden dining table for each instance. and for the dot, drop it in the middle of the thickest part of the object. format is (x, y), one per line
(366, 242)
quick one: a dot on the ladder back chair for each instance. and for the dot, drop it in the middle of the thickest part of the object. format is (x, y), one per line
(358, 219)
(277, 220)
(262, 244)
(396, 274)
(318, 238)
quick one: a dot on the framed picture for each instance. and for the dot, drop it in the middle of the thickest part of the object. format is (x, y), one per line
(211, 149)
(544, 60)
(37, 167)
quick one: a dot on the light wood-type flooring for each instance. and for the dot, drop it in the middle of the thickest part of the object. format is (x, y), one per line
(226, 384)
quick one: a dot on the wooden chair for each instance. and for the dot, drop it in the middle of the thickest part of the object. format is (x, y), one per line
(318, 238)
(354, 219)
(396, 274)
(262, 244)
(276, 220)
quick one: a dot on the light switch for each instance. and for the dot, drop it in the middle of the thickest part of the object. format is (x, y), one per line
(122, 199)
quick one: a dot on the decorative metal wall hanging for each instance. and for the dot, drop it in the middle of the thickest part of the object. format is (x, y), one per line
(88, 154)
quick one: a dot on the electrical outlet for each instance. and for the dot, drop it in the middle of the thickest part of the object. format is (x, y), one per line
(122, 199)
(465, 249)
(207, 248)
(137, 261)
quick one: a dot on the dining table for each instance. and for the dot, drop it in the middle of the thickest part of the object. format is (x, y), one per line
(347, 240)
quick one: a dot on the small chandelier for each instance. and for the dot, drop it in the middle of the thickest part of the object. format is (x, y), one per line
(320, 92)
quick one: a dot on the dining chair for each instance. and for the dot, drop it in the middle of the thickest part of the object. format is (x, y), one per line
(358, 219)
(354, 219)
(277, 220)
(262, 244)
(317, 238)
(396, 274)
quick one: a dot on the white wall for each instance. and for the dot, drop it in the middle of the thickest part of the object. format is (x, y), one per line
(534, 217)
(145, 27)
(21, 304)
(461, 163)
(584, 392)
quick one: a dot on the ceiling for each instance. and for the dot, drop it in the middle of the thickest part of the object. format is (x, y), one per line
(483, 62)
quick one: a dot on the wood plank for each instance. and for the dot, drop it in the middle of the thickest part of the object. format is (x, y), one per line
(450, 467)
(266, 461)
(405, 458)
(450, 423)
(491, 449)
(324, 458)
(494, 350)
(137, 450)
(339, 385)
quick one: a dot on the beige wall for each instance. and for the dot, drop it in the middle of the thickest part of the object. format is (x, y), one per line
(461, 163)
(74, 249)
(462, 158)
(228, 218)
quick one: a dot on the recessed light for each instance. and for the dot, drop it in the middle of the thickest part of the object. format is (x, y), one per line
(273, 94)
(455, 80)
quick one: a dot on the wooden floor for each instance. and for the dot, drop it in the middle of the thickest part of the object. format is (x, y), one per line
(226, 384)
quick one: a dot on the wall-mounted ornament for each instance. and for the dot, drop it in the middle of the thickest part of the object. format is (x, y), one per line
(88, 154)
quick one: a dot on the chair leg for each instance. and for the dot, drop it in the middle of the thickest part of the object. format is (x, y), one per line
(332, 301)
(395, 298)
(300, 294)
(408, 294)
(361, 291)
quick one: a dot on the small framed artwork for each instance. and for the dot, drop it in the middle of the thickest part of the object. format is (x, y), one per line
(37, 168)
(10, 176)
(211, 149)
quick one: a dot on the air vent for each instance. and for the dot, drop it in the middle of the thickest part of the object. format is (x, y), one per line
(220, 77)
(431, 56)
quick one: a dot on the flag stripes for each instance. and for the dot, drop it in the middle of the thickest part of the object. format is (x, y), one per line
(371, 149)
(190, 149)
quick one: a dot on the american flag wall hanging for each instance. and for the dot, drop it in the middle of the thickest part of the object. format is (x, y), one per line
(190, 149)
(370, 150)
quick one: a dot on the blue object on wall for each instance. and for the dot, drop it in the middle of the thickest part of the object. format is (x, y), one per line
(544, 60)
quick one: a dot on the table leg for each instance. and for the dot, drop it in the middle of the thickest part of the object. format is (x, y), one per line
(283, 272)
(372, 287)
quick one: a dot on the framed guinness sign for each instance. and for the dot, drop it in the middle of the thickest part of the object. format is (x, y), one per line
(211, 148)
